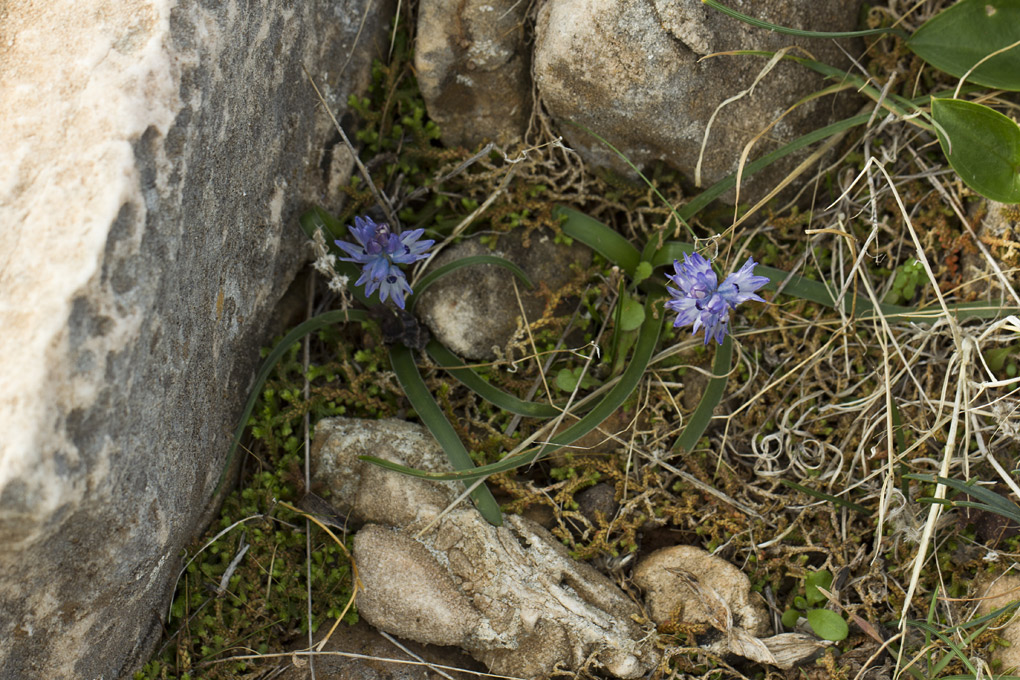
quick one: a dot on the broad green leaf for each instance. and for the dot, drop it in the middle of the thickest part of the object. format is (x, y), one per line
(996, 358)
(982, 145)
(956, 39)
(790, 617)
(643, 271)
(632, 314)
(827, 624)
(812, 581)
(567, 379)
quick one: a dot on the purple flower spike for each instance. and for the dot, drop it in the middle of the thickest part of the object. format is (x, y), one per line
(700, 299)
(378, 250)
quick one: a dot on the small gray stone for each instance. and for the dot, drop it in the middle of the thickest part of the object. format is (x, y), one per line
(474, 309)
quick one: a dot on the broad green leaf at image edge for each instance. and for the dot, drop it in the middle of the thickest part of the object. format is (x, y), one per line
(982, 145)
(957, 38)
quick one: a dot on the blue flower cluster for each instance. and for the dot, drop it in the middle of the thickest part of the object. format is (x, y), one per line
(699, 299)
(379, 250)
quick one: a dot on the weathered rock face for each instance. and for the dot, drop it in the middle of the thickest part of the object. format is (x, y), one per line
(153, 155)
(475, 308)
(630, 71)
(510, 595)
(472, 64)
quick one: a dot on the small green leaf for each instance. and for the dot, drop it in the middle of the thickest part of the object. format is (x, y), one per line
(812, 581)
(827, 624)
(632, 313)
(996, 358)
(567, 379)
(982, 145)
(800, 603)
(790, 618)
(642, 272)
(956, 39)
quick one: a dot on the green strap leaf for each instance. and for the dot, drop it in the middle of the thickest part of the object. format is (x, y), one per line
(434, 418)
(299, 331)
(450, 362)
(957, 38)
(797, 31)
(450, 267)
(648, 337)
(600, 238)
(713, 394)
(836, 500)
(982, 145)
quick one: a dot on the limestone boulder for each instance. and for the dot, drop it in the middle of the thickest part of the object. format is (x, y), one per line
(153, 157)
(635, 72)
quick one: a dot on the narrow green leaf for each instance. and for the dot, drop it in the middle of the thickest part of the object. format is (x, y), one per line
(434, 418)
(713, 394)
(299, 331)
(648, 337)
(758, 23)
(448, 361)
(450, 267)
(982, 145)
(957, 38)
(827, 624)
(987, 499)
(929, 628)
(600, 238)
(836, 500)
(987, 618)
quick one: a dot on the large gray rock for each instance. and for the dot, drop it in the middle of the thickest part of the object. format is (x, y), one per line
(630, 71)
(153, 156)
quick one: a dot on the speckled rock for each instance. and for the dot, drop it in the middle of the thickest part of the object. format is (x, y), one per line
(632, 71)
(511, 596)
(472, 64)
(685, 584)
(153, 157)
(474, 309)
(668, 598)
